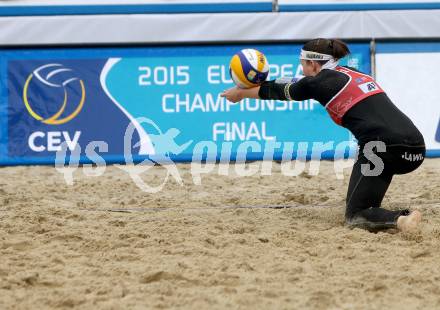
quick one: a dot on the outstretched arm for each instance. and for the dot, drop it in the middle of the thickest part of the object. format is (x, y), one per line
(236, 94)
(279, 89)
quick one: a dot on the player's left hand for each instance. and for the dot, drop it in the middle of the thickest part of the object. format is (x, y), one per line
(233, 94)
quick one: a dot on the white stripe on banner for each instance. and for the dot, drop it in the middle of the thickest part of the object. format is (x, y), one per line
(146, 147)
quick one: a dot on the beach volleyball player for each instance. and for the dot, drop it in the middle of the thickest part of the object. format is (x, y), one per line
(355, 101)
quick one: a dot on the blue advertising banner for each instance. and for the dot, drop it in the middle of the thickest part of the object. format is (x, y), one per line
(154, 101)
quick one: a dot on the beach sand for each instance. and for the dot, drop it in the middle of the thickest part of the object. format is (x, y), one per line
(102, 243)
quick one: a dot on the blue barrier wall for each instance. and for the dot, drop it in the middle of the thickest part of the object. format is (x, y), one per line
(183, 7)
(77, 96)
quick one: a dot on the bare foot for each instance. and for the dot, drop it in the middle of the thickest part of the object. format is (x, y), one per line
(410, 222)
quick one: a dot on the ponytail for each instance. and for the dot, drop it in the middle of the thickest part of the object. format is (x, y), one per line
(339, 49)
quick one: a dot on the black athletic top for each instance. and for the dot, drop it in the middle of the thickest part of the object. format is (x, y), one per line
(375, 118)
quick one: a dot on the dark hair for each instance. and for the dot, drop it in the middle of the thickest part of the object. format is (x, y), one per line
(334, 47)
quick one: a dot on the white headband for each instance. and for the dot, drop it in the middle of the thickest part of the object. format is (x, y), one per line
(309, 55)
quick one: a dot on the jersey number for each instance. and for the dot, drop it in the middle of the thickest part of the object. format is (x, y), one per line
(368, 87)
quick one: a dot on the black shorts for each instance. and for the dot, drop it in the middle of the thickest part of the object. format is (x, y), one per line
(396, 158)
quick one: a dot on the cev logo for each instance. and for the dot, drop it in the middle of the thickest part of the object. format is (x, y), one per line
(55, 118)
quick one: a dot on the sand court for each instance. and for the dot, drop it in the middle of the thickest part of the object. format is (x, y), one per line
(256, 242)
